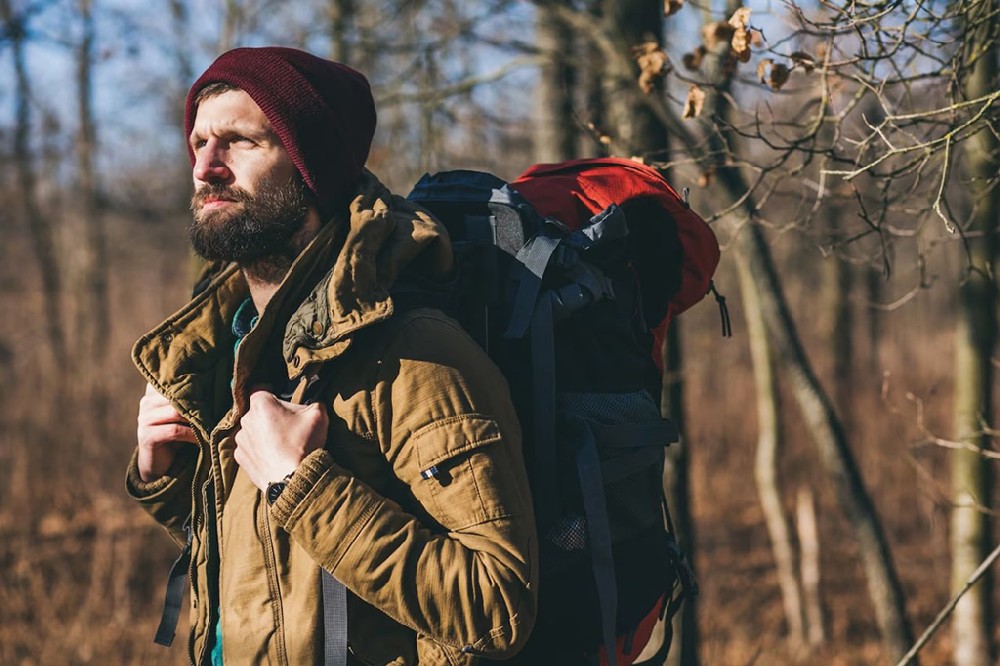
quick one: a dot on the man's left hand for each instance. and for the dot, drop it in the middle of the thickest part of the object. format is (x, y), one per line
(275, 436)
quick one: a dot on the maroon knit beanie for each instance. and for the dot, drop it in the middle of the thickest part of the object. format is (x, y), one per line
(322, 111)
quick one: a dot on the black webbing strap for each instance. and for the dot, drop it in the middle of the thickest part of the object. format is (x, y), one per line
(622, 467)
(543, 361)
(588, 467)
(333, 592)
(534, 256)
(334, 621)
(634, 435)
(176, 582)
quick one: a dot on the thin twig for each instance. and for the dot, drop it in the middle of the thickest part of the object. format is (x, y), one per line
(947, 610)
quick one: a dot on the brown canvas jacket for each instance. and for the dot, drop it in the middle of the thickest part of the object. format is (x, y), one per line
(441, 570)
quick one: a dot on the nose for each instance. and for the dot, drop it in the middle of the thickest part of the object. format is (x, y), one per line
(210, 164)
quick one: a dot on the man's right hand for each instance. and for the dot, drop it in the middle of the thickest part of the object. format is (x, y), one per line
(161, 432)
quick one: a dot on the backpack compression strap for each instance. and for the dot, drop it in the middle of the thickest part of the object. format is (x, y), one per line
(311, 388)
(176, 582)
(334, 621)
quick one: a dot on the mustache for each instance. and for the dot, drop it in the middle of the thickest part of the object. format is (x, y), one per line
(218, 191)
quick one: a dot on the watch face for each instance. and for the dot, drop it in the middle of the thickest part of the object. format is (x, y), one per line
(274, 490)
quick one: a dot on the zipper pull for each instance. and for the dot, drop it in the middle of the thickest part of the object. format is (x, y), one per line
(727, 324)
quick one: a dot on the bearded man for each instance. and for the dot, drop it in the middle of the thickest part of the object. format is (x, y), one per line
(345, 477)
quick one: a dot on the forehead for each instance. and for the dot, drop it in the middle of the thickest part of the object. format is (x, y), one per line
(232, 108)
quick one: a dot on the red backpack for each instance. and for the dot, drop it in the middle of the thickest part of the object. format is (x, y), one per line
(568, 278)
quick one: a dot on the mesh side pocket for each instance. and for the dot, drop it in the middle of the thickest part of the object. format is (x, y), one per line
(635, 502)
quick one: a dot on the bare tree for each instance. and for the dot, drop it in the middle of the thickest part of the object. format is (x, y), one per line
(556, 125)
(38, 222)
(975, 341)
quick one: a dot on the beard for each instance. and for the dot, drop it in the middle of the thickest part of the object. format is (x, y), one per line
(257, 231)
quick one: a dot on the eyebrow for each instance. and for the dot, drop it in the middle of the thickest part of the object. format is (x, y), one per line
(236, 127)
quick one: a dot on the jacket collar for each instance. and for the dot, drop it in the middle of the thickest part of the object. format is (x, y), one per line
(320, 308)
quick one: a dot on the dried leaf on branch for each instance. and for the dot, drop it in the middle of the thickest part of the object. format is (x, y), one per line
(803, 60)
(602, 137)
(774, 74)
(652, 63)
(741, 35)
(671, 7)
(715, 33)
(695, 102)
(705, 178)
(692, 60)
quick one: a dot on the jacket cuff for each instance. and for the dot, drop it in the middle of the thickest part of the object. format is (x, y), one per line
(306, 476)
(141, 490)
(320, 489)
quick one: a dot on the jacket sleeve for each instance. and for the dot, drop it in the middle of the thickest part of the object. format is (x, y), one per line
(444, 419)
(168, 498)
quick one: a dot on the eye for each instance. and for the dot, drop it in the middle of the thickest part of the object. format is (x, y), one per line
(239, 138)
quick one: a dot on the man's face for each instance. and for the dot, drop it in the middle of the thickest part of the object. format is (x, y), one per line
(249, 199)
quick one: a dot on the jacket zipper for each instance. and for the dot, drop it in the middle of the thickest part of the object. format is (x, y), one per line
(264, 526)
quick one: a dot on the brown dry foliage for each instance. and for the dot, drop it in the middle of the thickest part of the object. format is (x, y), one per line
(652, 64)
(693, 60)
(741, 37)
(774, 74)
(713, 34)
(803, 60)
(671, 7)
(695, 102)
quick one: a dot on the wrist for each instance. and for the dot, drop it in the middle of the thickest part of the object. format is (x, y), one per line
(274, 489)
(153, 462)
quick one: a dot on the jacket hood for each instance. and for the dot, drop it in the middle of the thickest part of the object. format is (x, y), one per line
(386, 236)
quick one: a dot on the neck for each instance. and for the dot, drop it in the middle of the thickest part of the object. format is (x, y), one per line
(265, 276)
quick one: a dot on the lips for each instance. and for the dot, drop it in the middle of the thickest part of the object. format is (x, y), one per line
(215, 203)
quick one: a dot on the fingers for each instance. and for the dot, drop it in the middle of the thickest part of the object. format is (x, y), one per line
(159, 415)
(157, 435)
(155, 410)
(262, 394)
(160, 423)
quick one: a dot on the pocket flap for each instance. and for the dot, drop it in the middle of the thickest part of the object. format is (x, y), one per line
(459, 434)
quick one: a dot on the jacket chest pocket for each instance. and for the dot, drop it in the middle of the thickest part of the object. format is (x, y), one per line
(460, 461)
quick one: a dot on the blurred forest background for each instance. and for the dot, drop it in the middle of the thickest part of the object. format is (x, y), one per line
(836, 479)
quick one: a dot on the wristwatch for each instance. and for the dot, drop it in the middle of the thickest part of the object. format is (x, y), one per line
(275, 488)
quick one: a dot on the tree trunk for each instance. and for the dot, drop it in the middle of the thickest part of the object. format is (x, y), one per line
(635, 130)
(593, 86)
(677, 480)
(341, 15)
(972, 626)
(805, 521)
(93, 316)
(840, 283)
(555, 126)
(766, 465)
(39, 227)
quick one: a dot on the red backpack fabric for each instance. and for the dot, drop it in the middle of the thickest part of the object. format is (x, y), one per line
(574, 191)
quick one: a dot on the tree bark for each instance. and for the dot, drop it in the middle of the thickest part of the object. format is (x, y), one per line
(768, 447)
(555, 127)
(635, 130)
(39, 227)
(972, 626)
(341, 15)
(805, 521)
(677, 481)
(93, 309)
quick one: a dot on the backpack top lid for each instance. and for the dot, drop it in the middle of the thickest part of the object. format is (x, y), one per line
(573, 191)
